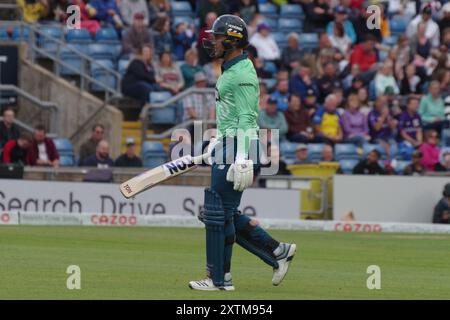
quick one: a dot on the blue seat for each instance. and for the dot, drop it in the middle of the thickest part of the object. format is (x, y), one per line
(290, 25)
(4, 34)
(102, 75)
(101, 51)
(167, 115)
(308, 40)
(398, 24)
(287, 150)
(268, 10)
(382, 55)
(315, 151)
(270, 67)
(64, 146)
(347, 165)
(292, 11)
(390, 41)
(20, 33)
(106, 35)
(153, 154)
(73, 59)
(273, 23)
(45, 40)
(122, 66)
(368, 147)
(153, 161)
(78, 36)
(67, 161)
(152, 147)
(181, 8)
(346, 151)
(401, 165)
(280, 38)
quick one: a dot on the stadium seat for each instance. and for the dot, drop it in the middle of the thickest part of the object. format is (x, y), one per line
(78, 36)
(390, 41)
(167, 115)
(45, 40)
(181, 8)
(64, 146)
(73, 59)
(401, 165)
(270, 67)
(398, 24)
(106, 35)
(287, 150)
(369, 147)
(315, 151)
(445, 138)
(20, 33)
(67, 161)
(308, 40)
(273, 23)
(153, 154)
(280, 38)
(101, 51)
(4, 34)
(122, 66)
(289, 25)
(102, 75)
(268, 10)
(152, 147)
(291, 11)
(345, 151)
(348, 165)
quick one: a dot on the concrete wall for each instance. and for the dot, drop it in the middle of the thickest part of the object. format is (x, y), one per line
(75, 106)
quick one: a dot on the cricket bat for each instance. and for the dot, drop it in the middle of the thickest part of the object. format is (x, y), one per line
(153, 177)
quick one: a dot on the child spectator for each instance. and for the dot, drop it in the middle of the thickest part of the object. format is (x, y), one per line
(415, 168)
(444, 164)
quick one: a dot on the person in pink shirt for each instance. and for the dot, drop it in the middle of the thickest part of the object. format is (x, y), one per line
(430, 150)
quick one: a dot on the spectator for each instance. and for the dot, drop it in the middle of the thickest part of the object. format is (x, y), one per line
(327, 154)
(327, 121)
(328, 82)
(206, 6)
(291, 55)
(430, 150)
(86, 14)
(310, 102)
(361, 25)
(421, 45)
(137, 36)
(15, 151)
(354, 122)
(299, 121)
(370, 165)
(8, 129)
(100, 158)
(415, 168)
(213, 71)
(357, 83)
(162, 37)
(158, 9)
(384, 79)
(444, 23)
(168, 74)
(42, 151)
(317, 15)
(190, 67)
(403, 54)
(301, 82)
(340, 17)
(198, 106)
(258, 63)
(246, 9)
(410, 127)
(139, 79)
(182, 39)
(129, 8)
(363, 97)
(444, 164)
(263, 96)
(410, 82)
(381, 124)
(432, 108)
(88, 148)
(203, 56)
(33, 11)
(339, 39)
(431, 27)
(301, 154)
(441, 212)
(365, 56)
(107, 12)
(264, 43)
(129, 158)
(281, 94)
(271, 118)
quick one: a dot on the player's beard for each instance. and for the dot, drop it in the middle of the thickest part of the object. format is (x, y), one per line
(210, 48)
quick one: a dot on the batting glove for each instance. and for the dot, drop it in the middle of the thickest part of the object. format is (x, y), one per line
(241, 173)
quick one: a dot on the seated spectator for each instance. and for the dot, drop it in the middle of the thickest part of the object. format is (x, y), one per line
(182, 39)
(204, 58)
(299, 121)
(33, 11)
(318, 14)
(291, 55)
(101, 158)
(206, 6)
(361, 25)
(129, 8)
(8, 129)
(327, 121)
(410, 83)
(168, 74)
(302, 81)
(190, 67)
(213, 71)
(129, 158)
(421, 45)
(363, 97)
(431, 27)
(370, 165)
(341, 17)
(15, 151)
(139, 79)
(258, 63)
(364, 55)
(415, 168)
(444, 164)
(264, 43)
(357, 83)
(403, 55)
(328, 82)
(281, 94)
(137, 36)
(263, 96)
(301, 154)
(441, 212)
(86, 14)
(42, 151)
(158, 9)
(354, 122)
(410, 127)
(88, 148)
(327, 154)
(310, 102)
(385, 79)
(198, 106)
(430, 150)
(162, 37)
(339, 39)
(381, 124)
(271, 118)
(444, 23)
(107, 12)
(432, 108)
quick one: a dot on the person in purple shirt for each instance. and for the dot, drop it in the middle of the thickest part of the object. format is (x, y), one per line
(354, 122)
(410, 128)
(381, 124)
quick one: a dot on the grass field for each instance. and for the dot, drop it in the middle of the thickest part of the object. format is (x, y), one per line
(157, 263)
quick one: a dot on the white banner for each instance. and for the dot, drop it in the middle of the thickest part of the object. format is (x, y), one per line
(9, 218)
(76, 197)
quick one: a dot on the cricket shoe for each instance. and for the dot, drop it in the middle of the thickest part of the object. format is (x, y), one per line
(284, 260)
(208, 285)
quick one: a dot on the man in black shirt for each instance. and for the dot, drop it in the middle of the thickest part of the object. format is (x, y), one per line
(8, 129)
(442, 209)
(129, 158)
(370, 165)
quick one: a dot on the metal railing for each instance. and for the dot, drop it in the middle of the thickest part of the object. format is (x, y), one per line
(54, 121)
(35, 51)
(145, 113)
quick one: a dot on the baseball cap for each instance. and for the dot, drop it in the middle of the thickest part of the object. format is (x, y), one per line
(199, 76)
(301, 146)
(130, 141)
(340, 9)
(138, 15)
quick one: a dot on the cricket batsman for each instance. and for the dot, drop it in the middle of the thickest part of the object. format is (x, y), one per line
(237, 104)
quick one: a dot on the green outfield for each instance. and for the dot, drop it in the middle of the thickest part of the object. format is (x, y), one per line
(157, 263)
